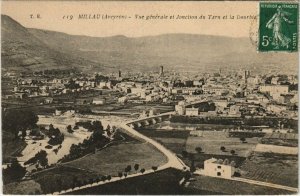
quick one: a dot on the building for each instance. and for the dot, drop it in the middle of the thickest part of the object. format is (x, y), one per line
(99, 101)
(234, 110)
(123, 99)
(48, 100)
(274, 89)
(180, 108)
(219, 168)
(161, 71)
(246, 75)
(192, 111)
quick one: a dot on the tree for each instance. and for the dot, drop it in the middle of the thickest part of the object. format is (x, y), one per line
(128, 169)
(184, 153)
(69, 129)
(42, 158)
(136, 167)
(103, 178)
(120, 174)
(198, 149)
(109, 177)
(232, 163)
(187, 175)
(13, 172)
(243, 139)
(232, 152)
(142, 170)
(154, 168)
(18, 120)
(222, 148)
(125, 175)
(226, 162)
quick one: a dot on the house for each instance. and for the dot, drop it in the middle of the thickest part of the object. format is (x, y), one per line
(219, 168)
(48, 100)
(276, 108)
(180, 108)
(192, 111)
(99, 101)
(123, 99)
(234, 110)
(274, 89)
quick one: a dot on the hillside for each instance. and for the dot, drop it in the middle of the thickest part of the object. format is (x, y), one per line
(174, 51)
(21, 51)
(24, 48)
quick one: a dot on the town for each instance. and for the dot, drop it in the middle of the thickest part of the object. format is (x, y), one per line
(256, 109)
(242, 94)
(93, 109)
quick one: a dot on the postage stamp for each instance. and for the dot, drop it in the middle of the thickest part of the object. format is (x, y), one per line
(278, 26)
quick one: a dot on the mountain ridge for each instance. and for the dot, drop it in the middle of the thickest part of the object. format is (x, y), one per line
(174, 51)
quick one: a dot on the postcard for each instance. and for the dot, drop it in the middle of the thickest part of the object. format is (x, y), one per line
(149, 97)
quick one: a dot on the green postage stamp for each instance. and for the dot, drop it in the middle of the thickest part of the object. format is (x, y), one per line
(278, 26)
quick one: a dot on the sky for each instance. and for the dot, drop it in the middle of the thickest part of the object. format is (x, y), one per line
(52, 13)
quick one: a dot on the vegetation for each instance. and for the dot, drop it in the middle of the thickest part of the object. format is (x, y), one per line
(161, 182)
(56, 137)
(40, 159)
(232, 152)
(222, 148)
(97, 140)
(16, 121)
(198, 149)
(154, 168)
(128, 169)
(136, 167)
(239, 121)
(69, 129)
(120, 174)
(13, 172)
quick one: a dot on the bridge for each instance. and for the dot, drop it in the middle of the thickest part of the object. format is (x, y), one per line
(149, 120)
(173, 160)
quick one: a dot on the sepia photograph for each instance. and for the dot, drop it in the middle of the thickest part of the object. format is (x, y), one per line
(149, 98)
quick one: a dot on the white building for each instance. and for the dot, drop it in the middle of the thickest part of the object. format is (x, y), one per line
(180, 108)
(274, 89)
(99, 101)
(192, 111)
(219, 168)
(122, 99)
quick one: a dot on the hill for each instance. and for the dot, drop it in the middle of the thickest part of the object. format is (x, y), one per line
(22, 51)
(24, 48)
(174, 51)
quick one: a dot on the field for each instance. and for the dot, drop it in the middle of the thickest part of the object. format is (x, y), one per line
(173, 140)
(28, 187)
(281, 139)
(211, 141)
(229, 187)
(270, 167)
(178, 139)
(162, 182)
(108, 161)
(62, 176)
(114, 159)
(167, 125)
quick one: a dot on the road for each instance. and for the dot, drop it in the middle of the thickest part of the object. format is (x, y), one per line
(255, 182)
(268, 184)
(173, 160)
